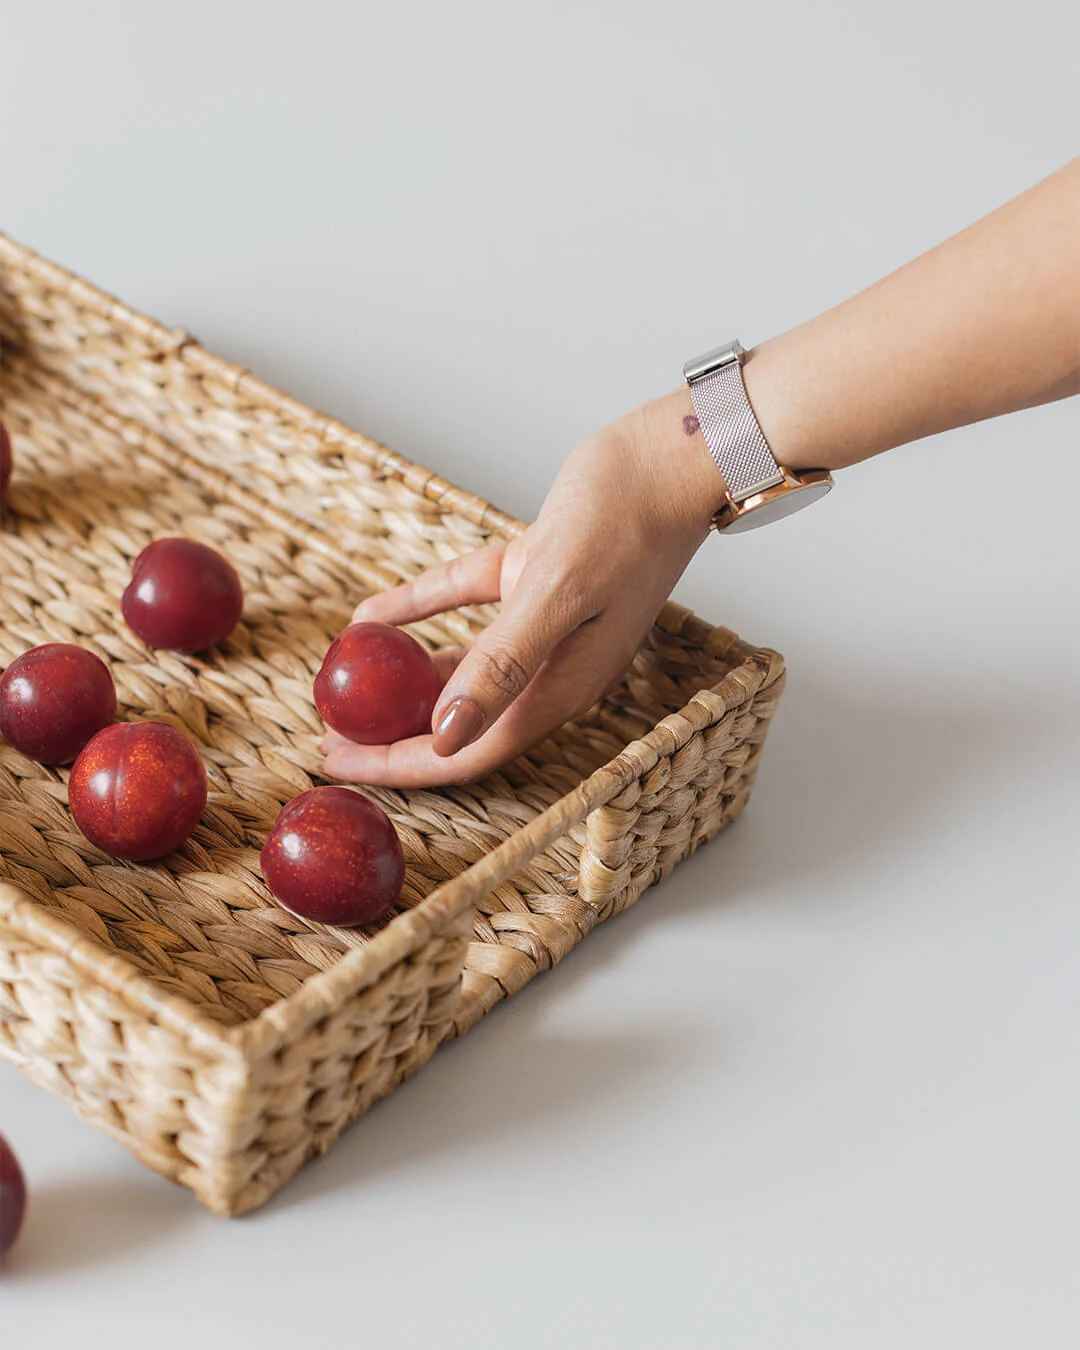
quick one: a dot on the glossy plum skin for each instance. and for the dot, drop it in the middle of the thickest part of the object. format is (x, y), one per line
(5, 464)
(183, 596)
(377, 685)
(53, 698)
(334, 857)
(12, 1197)
(137, 790)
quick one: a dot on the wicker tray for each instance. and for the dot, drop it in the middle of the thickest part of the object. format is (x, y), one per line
(222, 1040)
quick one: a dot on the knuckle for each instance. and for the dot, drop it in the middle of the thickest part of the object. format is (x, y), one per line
(576, 595)
(571, 588)
(504, 671)
(405, 594)
(454, 576)
(514, 561)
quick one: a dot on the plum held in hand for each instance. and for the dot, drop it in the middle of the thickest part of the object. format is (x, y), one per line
(183, 596)
(137, 790)
(5, 465)
(12, 1197)
(377, 685)
(53, 698)
(334, 857)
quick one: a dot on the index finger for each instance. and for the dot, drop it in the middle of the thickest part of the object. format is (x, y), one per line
(473, 579)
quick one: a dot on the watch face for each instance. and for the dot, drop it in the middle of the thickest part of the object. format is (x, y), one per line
(777, 505)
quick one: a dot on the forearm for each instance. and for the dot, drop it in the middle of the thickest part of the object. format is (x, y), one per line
(986, 323)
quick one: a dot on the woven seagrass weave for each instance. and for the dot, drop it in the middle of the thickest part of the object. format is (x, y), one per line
(176, 1005)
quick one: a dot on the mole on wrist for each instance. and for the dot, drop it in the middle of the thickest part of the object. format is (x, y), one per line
(692, 469)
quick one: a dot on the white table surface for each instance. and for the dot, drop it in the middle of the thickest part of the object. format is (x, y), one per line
(820, 1089)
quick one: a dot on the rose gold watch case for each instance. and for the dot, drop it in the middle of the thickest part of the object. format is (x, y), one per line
(800, 487)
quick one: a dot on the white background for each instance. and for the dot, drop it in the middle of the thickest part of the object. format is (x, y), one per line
(820, 1090)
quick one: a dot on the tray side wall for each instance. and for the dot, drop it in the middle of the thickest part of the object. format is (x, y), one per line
(701, 785)
(298, 1099)
(167, 1091)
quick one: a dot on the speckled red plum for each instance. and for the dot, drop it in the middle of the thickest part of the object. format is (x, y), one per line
(53, 698)
(334, 857)
(137, 790)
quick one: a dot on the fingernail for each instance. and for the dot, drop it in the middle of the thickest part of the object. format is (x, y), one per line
(458, 726)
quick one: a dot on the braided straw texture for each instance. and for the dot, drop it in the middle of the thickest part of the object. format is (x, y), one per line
(223, 1040)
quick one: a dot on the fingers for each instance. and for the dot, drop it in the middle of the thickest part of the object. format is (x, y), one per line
(510, 652)
(470, 580)
(500, 665)
(570, 681)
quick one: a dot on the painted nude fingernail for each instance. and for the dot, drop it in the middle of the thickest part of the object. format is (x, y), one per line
(458, 726)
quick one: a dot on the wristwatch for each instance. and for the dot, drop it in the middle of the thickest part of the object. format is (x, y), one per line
(757, 490)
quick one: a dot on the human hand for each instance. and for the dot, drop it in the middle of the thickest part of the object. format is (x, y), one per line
(984, 324)
(579, 591)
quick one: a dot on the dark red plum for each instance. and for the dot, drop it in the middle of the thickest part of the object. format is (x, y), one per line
(12, 1197)
(183, 596)
(334, 857)
(53, 698)
(377, 685)
(137, 790)
(6, 461)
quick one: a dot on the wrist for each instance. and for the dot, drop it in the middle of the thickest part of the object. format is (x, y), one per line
(686, 483)
(804, 422)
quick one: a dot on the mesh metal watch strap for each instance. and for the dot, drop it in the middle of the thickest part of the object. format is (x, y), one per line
(732, 433)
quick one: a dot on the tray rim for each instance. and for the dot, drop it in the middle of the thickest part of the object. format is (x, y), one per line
(755, 669)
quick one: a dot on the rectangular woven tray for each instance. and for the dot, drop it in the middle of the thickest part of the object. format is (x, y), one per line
(223, 1040)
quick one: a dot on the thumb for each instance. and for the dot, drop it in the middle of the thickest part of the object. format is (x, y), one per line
(500, 665)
